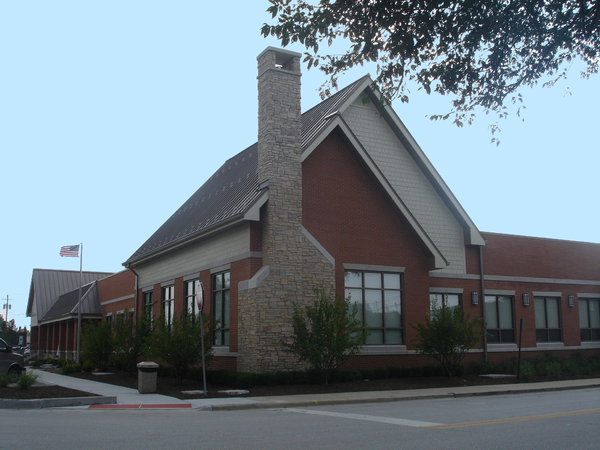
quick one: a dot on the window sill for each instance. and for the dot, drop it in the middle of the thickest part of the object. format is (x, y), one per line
(502, 347)
(590, 344)
(551, 345)
(382, 349)
(222, 351)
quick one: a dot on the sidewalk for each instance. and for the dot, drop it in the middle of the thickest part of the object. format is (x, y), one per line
(117, 397)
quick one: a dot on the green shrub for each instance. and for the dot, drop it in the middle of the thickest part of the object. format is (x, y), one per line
(571, 367)
(98, 343)
(88, 366)
(367, 374)
(381, 373)
(326, 333)
(527, 370)
(68, 369)
(180, 345)
(36, 363)
(5, 380)
(26, 380)
(446, 335)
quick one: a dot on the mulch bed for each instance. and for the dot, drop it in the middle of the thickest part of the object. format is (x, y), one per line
(169, 386)
(36, 392)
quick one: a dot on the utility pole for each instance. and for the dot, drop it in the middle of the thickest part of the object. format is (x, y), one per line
(6, 308)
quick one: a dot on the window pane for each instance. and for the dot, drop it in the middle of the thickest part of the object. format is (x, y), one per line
(373, 280)
(219, 308)
(218, 282)
(353, 279)
(226, 338)
(435, 301)
(505, 312)
(541, 335)
(376, 337)
(493, 336)
(452, 301)
(540, 313)
(552, 311)
(507, 335)
(554, 335)
(594, 313)
(226, 277)
(491, 315)
(355, 296)
(225, 323)
(373, 312)
(391, 280)
(584, 321)
(393, 337)
(392, 309)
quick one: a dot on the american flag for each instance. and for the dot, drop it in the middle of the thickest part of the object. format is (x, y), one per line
(70, 250)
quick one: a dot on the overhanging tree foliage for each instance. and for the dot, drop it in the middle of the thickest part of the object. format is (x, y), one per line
(326, 333)
(480, 52)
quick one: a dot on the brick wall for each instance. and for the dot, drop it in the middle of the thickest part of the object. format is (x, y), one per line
(350, 217)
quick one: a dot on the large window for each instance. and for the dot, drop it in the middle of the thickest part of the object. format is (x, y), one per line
(547, 319)
(191, 306)
(148, 303)
(379, 299)
(450, 301)
(220, 297)
(168, 304)
(589, 319)
(499, 318)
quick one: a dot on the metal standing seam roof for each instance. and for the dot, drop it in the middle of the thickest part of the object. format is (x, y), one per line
(67, 304)
(234, 188)
(48, 285)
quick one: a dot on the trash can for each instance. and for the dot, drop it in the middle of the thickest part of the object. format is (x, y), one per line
(147, 374)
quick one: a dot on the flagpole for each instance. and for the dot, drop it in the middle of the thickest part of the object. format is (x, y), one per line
(79, 306)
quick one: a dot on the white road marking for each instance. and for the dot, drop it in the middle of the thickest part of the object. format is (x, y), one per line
(388, 420)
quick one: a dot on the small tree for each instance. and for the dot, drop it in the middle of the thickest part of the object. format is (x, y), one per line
(98, 343)
(180, 346)
(132, 341)
(327, 333)
(8, 331)
(447, 335)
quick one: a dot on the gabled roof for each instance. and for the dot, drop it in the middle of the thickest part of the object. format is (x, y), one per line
(233, 195)
(233, 191)
(67, 304)
(48, 285)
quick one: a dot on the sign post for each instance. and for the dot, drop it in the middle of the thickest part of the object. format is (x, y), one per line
(200, 303)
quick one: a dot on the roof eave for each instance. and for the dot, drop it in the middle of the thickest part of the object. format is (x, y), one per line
(251, 214)
(472, 234)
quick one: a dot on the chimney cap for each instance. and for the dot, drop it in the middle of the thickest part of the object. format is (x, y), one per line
(282, 56)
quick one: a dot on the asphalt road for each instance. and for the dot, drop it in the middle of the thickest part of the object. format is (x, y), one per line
(550, 420)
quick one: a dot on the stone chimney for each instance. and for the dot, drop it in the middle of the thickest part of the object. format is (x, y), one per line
(279, 150)
(292, 265)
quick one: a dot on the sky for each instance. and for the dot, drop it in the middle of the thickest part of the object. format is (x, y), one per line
(113, 113)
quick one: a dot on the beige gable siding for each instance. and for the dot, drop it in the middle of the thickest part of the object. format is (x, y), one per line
(222, 249)
(408, 180)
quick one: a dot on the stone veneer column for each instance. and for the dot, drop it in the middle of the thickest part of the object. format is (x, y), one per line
(295, 266)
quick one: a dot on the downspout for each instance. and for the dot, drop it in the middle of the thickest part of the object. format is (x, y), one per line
(485, 353)
(135, 305)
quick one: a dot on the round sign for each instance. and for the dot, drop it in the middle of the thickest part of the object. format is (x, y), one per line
(200, 295)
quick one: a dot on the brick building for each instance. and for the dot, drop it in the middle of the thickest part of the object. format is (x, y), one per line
(343, 196)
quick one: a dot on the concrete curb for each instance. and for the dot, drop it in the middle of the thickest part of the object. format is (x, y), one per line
(56, 402)
(348, 401)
